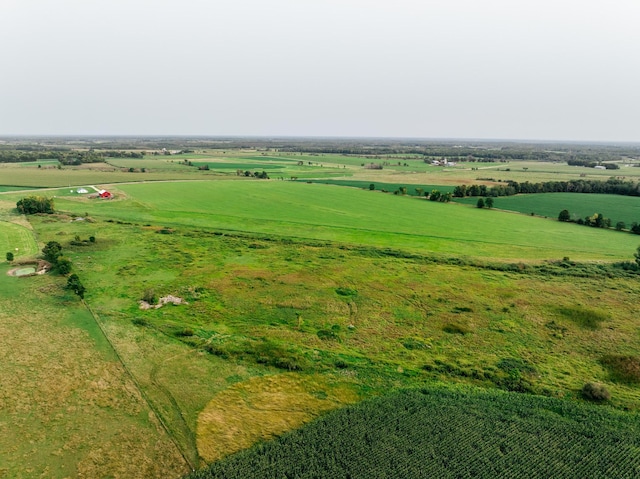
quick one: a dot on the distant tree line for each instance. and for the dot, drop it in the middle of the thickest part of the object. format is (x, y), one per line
(598, 220)
(613, 186)
(592, 164)
(65, 157)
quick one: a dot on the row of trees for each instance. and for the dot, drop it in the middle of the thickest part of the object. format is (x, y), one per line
(66, 157)
(52, 252)
(256, 174)
(613, 186)
(592, 164)
(597, 220)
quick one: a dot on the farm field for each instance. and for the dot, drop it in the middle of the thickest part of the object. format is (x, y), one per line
(354, 216)
(412, 190)
(615, 207)
(433, 433)
(300, 299)
(311, 326)
(33, 177)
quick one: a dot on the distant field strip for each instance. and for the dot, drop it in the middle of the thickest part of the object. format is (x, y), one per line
(579, 205)
(16, 239)
(358, 217)
(52, 177)
(411, 188)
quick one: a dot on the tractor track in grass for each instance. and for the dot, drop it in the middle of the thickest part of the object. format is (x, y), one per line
(192, 465)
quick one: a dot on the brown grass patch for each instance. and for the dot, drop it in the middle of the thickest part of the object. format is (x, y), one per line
(623, 368)
(264, 407)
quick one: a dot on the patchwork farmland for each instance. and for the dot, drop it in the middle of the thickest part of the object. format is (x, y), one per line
(300, 299)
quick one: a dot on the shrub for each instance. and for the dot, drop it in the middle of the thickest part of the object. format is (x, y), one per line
(327, 335)
(51, 251)
(342, 291)
(9, 256)
(63, 265)
(452, 328)
(595, 392)
(150, 296)
(341, 364)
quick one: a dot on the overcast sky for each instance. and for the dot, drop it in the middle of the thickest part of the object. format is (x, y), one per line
(504, 69)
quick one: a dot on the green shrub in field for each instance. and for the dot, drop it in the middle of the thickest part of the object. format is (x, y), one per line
(327, 335)
(150, 296)
(344, 291)
(595, 392)
(454, 328)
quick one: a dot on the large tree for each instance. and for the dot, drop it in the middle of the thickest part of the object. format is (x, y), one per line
(564, 215)
(52, 251)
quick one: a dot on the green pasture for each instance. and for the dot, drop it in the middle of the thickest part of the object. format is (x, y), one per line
(152, 163)
(389, 187)
(355, 216)
(220, 165)
(16, 239)
(29, 177)
(615, 207)
(532, 171)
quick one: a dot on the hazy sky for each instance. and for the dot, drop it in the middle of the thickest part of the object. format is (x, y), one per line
(541, 69)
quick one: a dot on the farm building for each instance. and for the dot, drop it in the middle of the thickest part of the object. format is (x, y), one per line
(105, 194)
(82, 190)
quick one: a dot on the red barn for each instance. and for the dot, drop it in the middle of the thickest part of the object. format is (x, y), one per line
(105, 194)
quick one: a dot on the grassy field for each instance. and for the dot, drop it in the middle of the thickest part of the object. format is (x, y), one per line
(311, 326)
(68, 409)
(355, 217)
(615, 207)
(12, 175)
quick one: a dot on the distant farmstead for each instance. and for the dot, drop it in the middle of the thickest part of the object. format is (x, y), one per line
(105, 194)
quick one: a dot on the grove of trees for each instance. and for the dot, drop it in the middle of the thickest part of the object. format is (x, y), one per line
(35, 204)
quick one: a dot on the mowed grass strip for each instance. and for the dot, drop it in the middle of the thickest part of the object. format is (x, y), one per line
(16, 239)
(358, 217)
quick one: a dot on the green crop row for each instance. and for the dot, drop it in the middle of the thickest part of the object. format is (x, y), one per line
(447, 433)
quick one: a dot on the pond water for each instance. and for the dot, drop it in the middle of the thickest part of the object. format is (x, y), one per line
(25, 271)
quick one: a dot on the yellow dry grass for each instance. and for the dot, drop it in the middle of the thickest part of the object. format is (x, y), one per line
(264, 407)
